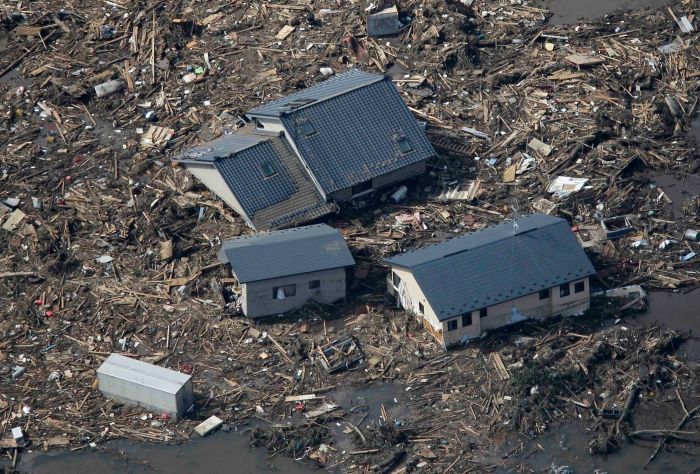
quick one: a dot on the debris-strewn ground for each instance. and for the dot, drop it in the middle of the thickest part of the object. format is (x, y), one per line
(107, 248)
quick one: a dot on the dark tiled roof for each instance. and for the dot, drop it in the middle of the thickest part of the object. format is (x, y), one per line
(495, 264)
(286, 252)
(325, 90)
(359, 120)
(244, 175)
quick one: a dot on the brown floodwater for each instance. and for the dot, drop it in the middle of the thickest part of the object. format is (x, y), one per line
(570, 11)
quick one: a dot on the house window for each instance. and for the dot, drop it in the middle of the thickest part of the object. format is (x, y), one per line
(466, 319)
(579, 287)
(421, 308)
(544, 294)
(405, 145)
(564, 290)
(483, 312)
(268, 170)
(362, 187)
(282, 292)
(452, 325)
(307, 129)
(396, 280)
(314, 284)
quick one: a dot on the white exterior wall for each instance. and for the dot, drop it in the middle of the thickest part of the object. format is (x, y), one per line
(257, 297)
(212, 179)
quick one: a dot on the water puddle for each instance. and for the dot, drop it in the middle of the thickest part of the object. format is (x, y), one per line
(570, 11)
(220, 452)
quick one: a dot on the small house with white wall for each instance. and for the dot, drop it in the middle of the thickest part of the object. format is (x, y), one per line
(529, 268)
(279, 271)
(335, 141)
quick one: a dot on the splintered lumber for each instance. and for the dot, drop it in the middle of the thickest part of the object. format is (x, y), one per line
(497, 362)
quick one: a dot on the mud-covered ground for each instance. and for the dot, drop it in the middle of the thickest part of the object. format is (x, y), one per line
(84, 274)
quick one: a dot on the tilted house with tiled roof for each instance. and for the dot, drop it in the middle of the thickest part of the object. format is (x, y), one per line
(282, 270)
(331, 142)
(533, 267)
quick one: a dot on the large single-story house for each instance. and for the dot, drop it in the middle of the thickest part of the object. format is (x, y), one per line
(531, 267)
(298, 155)
(282, 270)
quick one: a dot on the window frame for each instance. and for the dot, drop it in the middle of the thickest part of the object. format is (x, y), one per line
(545, 294)
(564, 290)
(483, 312)
(314, 284)
(288, 290)
(452, 325)
(582, 286)
(271, 167)
(468, 318)
(307, 129)
(404, 145)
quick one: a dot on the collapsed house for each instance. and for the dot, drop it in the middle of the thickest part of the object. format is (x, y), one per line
(280, 271)
(332, 142)
(532, 267)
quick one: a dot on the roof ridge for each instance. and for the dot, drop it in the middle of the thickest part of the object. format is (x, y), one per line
(483, 244)
(336, 78)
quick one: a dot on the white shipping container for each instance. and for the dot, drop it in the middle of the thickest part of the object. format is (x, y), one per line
(139, 383)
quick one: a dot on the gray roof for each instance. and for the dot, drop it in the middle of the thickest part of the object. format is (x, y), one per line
(335, 86)
(143, 373)
(286, 252)
(287, 198)
(359, 119)
(243, 173)
(221, 147)
(496, 264)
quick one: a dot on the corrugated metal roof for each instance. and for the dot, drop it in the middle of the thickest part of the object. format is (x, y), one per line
(221, 147)
(336, 85)
(358, 135)
(286, 252)
(496, 264)
(144, 374)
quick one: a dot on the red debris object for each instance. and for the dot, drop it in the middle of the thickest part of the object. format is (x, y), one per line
(48, 314)
(299, 406)
(164, 416)
(77, 159)
(186, 368)
(355, 46)
(69, 179)
(39, 302)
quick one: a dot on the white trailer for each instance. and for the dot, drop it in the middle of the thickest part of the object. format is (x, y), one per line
(139, 383)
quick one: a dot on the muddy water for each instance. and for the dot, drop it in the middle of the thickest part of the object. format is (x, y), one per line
(676, 311)
(570, 11)
(567, 445)
(220, 452)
